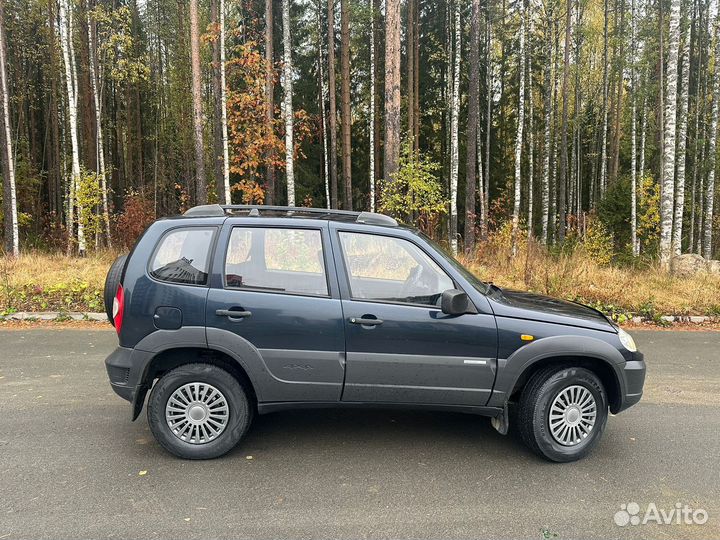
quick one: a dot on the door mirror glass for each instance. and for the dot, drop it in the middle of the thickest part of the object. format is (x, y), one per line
(456, 302)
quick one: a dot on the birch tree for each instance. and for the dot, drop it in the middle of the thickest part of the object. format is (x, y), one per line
(548, 123)
(681, 147)
(712, 153)
(12, 241)
(288, 104)
(473, 149)
(668, 180)
(332, 105)
(371, 127)
(488, 123)
(223, 109)
(633, 133)
(345, 102)
(99, 141)
(323, 98)
(454, 140)
(197, 98)
(603, 147)
(65, 28)
(519, 133)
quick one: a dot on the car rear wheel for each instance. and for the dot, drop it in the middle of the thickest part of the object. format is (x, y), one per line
(198, 411)
(112, 280)
(562, 413)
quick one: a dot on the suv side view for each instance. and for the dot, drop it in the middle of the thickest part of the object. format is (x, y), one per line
(229, 311)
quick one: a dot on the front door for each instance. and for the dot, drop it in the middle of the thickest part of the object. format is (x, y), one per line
(401, 348)
(276, 299)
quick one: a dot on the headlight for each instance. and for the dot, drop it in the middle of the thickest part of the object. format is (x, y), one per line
(627, 340)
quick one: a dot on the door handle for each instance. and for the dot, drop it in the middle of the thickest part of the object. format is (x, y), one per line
(366, 322)
(232, 314)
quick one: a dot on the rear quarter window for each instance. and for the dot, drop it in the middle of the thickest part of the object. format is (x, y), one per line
(183, 256)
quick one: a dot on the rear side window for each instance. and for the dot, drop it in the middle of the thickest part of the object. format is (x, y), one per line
(183, 256)
(279, 260)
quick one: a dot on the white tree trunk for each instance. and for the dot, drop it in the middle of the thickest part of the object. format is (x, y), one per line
(65, 27)
(372, 106)
(223, 99)
(10, 190)
(668, 181)
(100, 145)
(323, 97)
(681, 148)
(287, 84)
(531, 144)
(488, 124)
(712, 155)
(603, 151)
(454, 139)
(633, 134)
(519, 134)
(548, 126)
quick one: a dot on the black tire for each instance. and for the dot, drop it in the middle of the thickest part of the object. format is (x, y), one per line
(532, 414)
(240, 411)
(112, 280)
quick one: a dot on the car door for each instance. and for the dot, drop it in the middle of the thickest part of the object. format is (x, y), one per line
(400, 347)
(276, 298)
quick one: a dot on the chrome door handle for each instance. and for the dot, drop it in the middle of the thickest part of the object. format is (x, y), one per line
(366, 322)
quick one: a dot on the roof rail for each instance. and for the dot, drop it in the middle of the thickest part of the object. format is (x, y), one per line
(255, 210)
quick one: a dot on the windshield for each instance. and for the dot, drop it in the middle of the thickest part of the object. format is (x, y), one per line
(481, 286)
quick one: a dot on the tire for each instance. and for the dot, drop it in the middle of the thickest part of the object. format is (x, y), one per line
(533, 412)
(112, 280)
(236, 423)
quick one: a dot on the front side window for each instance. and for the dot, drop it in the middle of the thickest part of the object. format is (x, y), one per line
(279, 260)
(183, 256)
(383, 268)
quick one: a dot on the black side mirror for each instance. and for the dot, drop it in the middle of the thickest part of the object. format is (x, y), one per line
(455, 302)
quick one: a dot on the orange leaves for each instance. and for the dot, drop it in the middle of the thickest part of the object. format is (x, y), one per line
(251, 192)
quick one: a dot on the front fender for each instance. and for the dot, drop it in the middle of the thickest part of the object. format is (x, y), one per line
(511, 369)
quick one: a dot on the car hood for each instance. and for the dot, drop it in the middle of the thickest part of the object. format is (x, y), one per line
(537, 307)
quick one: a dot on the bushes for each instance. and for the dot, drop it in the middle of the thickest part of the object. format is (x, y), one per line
(139, 213)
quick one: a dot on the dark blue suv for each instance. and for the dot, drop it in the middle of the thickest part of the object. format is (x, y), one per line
(228, 311)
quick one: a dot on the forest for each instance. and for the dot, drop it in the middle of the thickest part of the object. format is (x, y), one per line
(568, 146)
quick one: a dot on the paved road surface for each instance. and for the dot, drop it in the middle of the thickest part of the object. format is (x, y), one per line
(71, 462)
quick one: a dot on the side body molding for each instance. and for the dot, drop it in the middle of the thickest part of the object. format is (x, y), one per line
(510, 369)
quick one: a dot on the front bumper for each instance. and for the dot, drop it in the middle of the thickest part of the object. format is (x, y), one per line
(125, 368)
(632, 374)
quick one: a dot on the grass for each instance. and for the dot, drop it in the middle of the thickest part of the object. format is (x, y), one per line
(39, 281)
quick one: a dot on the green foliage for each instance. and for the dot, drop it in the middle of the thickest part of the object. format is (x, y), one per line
(118, 47)
(614, 212)
(414, 194)
(649, 214)
(89, 200)
(598, 242)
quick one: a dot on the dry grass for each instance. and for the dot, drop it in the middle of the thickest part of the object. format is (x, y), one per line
(649, 292)
(39, 281)
(43, 282)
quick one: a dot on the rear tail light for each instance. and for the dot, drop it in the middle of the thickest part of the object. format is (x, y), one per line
(119, 308)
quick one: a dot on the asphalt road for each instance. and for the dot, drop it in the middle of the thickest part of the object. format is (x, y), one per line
(72, 465)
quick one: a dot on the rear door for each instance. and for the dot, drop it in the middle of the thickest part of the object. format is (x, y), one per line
(275, 289)
(401, 348)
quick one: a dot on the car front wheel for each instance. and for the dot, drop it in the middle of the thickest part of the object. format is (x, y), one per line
(198, 411)
(562, 413)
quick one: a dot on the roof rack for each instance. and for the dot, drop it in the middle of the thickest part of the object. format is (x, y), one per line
(217, 210)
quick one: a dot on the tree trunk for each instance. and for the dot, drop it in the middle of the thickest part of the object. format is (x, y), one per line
(681, 147)
(217, 160)
(222, 158)
(548, 128)
(712, 160)
(332, 113)
(472, 128)
(519, 133)
(617, 128)
(603, 150)
(200, 179)
(485, 206)
(270, 188)
(288, 104)
(10, 214)
(416, 73)
(633, 133)
(562, 178)
(531, 139)
(410, 48)
(454, 128)
(346, 113)
(66, 33)
(100, 144)
(371, 127)
(391, 156)
(323, 97)
(668, 180)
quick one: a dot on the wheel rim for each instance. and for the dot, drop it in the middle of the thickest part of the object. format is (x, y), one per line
(197, 413)
(572, 415)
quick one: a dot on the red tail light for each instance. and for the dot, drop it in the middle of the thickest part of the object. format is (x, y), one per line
(119, 308)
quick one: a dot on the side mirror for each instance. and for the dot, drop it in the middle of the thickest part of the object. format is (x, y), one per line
(455, 302)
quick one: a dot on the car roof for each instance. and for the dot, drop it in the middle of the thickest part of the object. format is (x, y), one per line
(294, 212)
